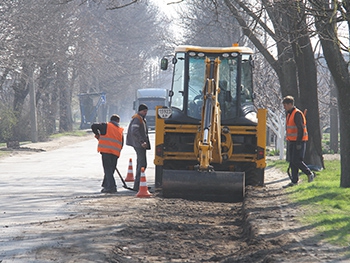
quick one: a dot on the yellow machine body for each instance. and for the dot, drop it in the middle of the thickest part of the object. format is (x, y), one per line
(211, 142)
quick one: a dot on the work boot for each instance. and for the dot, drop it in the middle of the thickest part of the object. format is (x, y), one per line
(289, 185)
(310, 177)
(108, 191)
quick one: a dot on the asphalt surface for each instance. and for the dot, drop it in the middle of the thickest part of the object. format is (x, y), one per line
(38, 187)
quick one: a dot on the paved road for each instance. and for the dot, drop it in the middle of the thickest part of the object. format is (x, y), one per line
(39, 187)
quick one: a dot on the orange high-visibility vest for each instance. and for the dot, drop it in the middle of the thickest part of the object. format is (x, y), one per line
(292, 130)
(111, 142)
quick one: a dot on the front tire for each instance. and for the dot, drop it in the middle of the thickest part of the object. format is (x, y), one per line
(159, 176)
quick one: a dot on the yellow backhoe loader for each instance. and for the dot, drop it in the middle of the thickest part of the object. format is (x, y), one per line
(211, 141)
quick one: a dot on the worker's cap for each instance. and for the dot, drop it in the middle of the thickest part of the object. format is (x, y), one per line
(115, 117)
(143, 107)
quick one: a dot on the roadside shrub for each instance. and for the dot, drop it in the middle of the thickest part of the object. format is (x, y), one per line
(7, 122)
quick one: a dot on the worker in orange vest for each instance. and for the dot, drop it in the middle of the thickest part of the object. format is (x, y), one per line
(110, 143)
(297, 136)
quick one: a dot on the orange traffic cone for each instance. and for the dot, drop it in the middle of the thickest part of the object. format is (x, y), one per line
(130, 175)
(143, 189)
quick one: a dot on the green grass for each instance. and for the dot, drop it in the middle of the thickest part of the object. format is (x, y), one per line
(77, 133)
(280, 164)
(325, 204)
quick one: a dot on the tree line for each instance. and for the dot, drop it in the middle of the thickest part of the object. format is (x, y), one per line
(63, 49)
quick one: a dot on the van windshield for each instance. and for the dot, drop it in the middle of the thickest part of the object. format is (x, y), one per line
(152, 103)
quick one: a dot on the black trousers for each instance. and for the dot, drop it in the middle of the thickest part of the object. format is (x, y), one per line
(141, 162)
(296, 159)
(109, 162)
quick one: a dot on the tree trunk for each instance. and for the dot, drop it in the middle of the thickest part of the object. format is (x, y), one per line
(65, 122)
(47, 92)
(285, 68)
(307, 77)
(285, 65)
(326, 26)
(21, 90)
(333, 131)
(288, 71)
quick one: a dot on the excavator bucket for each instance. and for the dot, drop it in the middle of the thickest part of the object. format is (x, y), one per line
(214, 186)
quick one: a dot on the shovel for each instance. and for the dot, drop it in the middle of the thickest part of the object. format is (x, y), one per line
(124, 184)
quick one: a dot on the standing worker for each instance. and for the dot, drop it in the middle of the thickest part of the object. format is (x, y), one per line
(110, 143)
(137, 137)
(297, 137)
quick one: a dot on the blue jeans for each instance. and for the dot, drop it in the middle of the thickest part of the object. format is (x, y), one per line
(109, 162)
(296, 159)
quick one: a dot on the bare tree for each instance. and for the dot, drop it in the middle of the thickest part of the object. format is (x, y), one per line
(208, 23)
(294, 56)
(115, 51)
(71, 48)
(326, 17)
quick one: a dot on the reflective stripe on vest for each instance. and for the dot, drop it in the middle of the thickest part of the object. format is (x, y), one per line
(292, 130)
(142, 121)
(111, 142)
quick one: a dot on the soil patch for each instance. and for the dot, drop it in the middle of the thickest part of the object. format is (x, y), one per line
(123, 228)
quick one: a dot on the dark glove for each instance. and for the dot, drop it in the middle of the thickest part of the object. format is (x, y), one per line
(298, 146)
(97, 136)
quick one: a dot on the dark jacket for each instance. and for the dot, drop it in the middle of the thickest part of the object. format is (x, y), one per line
(138, 132)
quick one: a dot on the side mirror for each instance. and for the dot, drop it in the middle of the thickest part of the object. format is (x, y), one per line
(164, 64)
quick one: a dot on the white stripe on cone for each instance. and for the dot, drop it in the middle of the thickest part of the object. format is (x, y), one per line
(143, 189)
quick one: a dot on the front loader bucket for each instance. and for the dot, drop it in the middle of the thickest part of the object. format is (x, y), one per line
(206, 186)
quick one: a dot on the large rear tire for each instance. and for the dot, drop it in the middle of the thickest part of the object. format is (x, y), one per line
(158, 176)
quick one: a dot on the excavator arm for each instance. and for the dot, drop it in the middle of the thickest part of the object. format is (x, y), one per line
(209, 140)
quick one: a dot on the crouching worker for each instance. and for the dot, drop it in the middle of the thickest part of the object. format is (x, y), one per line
(297, 137)
(110, 143)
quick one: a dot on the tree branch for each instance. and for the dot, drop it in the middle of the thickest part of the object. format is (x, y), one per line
(121, 6)
(257, 19)
(248, 32)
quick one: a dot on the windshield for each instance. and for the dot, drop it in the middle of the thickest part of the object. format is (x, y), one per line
(192, 101)
(247, 84)
(152, 102)
(177, 99)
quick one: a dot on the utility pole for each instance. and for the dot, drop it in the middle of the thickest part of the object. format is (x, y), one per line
(33, 115)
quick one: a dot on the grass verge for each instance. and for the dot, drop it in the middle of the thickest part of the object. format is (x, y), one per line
(77, 133)
(325, 205)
